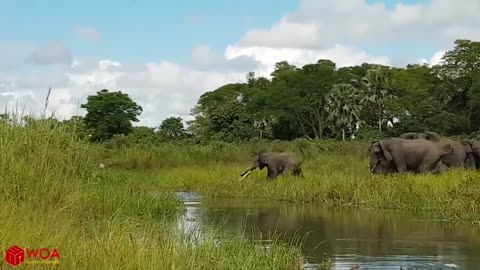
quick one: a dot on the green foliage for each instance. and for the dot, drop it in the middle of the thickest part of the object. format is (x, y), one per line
(109, 114)
(298, 101)
(344, 104)
(48, 172)
(172, 128)
(222, 114)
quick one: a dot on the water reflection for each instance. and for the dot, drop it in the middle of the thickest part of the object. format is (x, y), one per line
(373, 240)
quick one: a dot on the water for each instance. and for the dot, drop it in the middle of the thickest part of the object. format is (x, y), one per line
(370, 239)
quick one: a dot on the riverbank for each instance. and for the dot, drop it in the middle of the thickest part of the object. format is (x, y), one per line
(334, 178)
(54, 195)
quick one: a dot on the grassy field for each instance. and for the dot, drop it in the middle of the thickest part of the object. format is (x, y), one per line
(335, 174)
(54, 195)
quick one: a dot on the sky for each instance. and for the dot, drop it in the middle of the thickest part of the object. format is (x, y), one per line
(165, 54)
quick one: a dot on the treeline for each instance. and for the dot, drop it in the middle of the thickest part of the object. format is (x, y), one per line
(320, 100)
(316, 101)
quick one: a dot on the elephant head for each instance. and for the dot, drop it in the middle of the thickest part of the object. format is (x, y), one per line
(474, 146)
(380, 158)
(260, 160)
(471, 155)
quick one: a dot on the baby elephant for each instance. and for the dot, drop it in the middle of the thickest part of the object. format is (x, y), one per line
(277, 163)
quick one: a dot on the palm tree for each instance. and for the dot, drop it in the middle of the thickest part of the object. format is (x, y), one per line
(377, 86)
(344, 104)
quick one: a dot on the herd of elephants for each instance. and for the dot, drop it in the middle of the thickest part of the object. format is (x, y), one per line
(410, 152)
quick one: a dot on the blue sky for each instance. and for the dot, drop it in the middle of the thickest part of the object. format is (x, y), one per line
(147, 30)
(138, 31)
(165, 54)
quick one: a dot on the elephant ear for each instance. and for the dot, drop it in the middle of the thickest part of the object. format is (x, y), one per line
(385, 151)
(447, 149)
(370, 148)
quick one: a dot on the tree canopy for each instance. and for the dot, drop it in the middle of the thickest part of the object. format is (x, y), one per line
(109, 114)
(320, 100)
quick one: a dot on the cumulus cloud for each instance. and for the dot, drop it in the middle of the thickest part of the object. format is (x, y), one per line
(203, 58)
(51, 53)
(434, 60)
(12, 54)
(322, 24)
(341, 55)
(163, 88)
(88, 33)
(327, 29)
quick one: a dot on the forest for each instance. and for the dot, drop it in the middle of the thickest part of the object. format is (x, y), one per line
(320, 100)
(316, 101)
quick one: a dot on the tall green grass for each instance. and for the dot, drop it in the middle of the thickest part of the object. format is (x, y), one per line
(53, 194)
(336, 173)
(186, 154)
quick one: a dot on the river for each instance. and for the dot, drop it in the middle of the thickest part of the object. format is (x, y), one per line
(370, 239)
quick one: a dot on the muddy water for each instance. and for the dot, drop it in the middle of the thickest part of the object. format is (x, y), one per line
(370, 239)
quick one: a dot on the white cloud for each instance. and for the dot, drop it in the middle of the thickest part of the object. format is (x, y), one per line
(327, 29)
(287, 35)
(203, 58)
(436, 58)
(322, 24)
(341, 55)
(51, 53)
(163, 89)
(88, 33)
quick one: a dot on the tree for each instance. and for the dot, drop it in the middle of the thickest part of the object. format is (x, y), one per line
(299, 95)
(377, 86)
(110, 113)
(458, 71)
(318, 100)
(223, 114)
(344, 104)
(172, 128)
(142, 135)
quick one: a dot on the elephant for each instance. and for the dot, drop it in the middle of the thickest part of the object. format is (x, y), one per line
(277, 163)
(412, 155)
(475, 146)
(462, 155)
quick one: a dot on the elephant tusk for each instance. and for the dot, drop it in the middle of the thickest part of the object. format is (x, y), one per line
(245, 173)
(372, 169)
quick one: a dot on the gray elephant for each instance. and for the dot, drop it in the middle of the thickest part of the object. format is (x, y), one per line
(405, 155)
(277, 163)
(461, 156)
(475, 146)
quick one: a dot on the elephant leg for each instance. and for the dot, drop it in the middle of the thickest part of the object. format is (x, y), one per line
(282, 170)
(272, 173)
(297, 172)
(440, 168)
(427, 165)
(400, 164)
